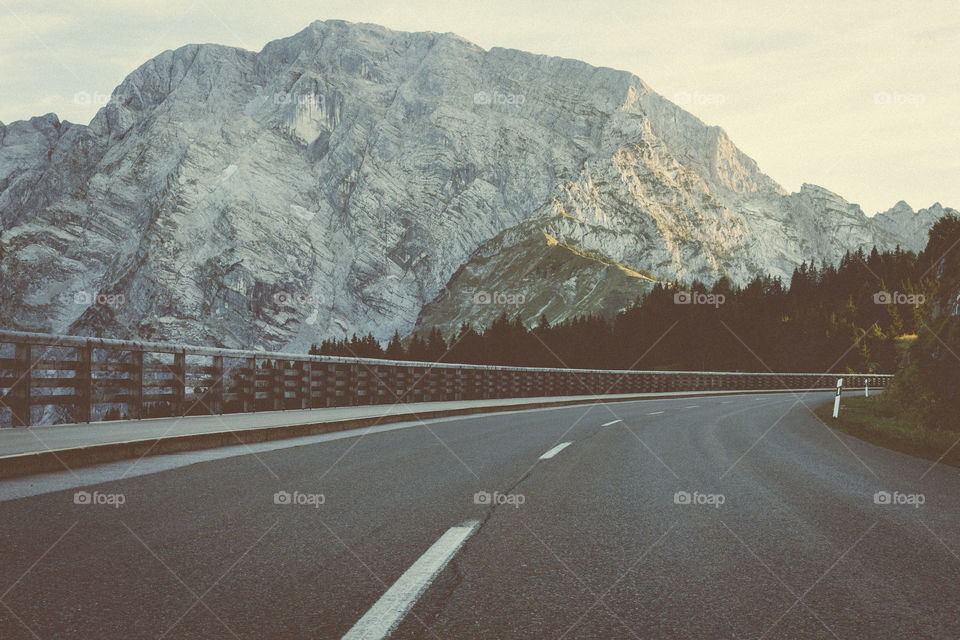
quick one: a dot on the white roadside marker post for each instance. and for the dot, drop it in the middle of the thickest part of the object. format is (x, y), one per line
(866, 388)
(836, 401)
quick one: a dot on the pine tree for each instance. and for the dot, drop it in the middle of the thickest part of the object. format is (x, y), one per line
(395, 349)
(436, 346)
(417, 350)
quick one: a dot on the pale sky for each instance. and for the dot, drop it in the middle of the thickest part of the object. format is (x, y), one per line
(859, 97)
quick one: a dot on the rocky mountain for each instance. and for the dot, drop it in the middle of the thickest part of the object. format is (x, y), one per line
(609, 262)
(343, 178)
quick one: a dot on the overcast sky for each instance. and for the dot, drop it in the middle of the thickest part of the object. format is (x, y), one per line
(859, 97)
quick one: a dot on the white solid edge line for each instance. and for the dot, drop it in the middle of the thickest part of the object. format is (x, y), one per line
(607, 424)
(655, 413)
(557, 449)
(385, 615)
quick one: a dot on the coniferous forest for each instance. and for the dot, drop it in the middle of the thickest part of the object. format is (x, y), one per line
(849, 317)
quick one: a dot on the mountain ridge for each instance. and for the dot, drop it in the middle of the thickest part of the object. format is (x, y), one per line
(337, 180)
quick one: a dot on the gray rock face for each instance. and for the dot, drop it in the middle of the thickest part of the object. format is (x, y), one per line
(910, 227)
(336, 180)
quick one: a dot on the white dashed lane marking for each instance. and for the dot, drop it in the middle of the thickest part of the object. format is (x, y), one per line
(384, 616)
(557, 449)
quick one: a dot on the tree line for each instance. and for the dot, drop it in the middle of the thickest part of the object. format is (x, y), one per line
(924, 391)
(857, 316)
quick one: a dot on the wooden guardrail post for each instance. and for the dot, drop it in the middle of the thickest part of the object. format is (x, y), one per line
(293, 374)
(135, 406)
(444, 388)
(427, 383)
(179, 383)
(350, 391)
(398, 383)
(216, 385)
(435, 385)
(381, 384)
(329, 384)
(19, 394)
(248, 386)
(306, 393)
(335, 384)
(384, 384)
(363, 385)
(279, 390)
(316, 381)
(84, 383)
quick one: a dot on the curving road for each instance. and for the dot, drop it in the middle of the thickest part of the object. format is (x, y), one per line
(723, 517)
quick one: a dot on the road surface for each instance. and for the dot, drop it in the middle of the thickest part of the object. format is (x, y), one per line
(723, 517)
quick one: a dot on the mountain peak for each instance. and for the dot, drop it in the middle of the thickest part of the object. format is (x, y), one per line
(817, 190)
(902, 206)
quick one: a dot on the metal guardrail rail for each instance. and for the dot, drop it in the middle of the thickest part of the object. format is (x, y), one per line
(90, 379)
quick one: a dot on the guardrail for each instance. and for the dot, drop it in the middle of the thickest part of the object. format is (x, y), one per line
(51, 378)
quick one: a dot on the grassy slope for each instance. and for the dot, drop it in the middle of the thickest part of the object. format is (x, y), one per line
(871, 420)
(557, 282)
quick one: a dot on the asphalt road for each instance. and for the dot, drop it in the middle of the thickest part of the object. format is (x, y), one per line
(781, 538)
